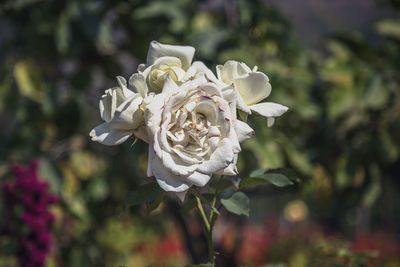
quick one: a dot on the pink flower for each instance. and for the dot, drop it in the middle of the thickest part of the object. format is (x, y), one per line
(28, 192)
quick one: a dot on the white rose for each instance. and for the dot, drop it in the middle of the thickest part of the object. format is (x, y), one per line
(162, 61)
(251, 87)
(121, 110)
(193, 134)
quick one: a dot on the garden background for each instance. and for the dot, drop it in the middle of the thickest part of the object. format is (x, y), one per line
(335, 64)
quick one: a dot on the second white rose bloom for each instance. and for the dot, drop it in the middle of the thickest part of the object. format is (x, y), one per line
(121, 110)
(251, 87)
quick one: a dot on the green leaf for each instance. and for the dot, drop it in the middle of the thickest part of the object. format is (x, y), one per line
(220, 185)
(145, 193)
(253, 182)
(238, 204)
(227, 192)
(259, 172)
(277, 177)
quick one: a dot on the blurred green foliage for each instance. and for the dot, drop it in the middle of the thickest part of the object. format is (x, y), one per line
(341, 134)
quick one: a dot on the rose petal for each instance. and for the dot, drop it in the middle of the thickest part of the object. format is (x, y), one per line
(220, 159)
(161, 134)
(138, 82)
(211, 89)
(157, 50)
(231, 169)
(169, 87)
(141, 67)
(167, 180)
(156, 145)
(128, 115)
(229, 94)
(269, 109)
(213, 142)
(107, 135)
(240, 102)
(243, 69)
(213, 131)
(243, 131)
(109, 102)
(210, 110)
(170, 61)
(253, 87)
(106, 105)
(232, 106)
(122, 84)
(235, 142)
(201, 80)
(171, 162)
(198, 69)
(149, 172)
(270, 121)
(178, 73)
(141, 133)
(185, 158)
(199, 179)
(156, 73)
(153, 114)
(231, 70)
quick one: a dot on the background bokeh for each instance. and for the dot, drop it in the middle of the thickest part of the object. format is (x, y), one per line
(336, 66)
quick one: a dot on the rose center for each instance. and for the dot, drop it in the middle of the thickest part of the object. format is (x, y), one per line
(188, 130)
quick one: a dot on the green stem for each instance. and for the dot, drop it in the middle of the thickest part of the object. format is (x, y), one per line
(209, 223)
(202, 213)
(212, 219)
(211, 257)
(208, 229)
